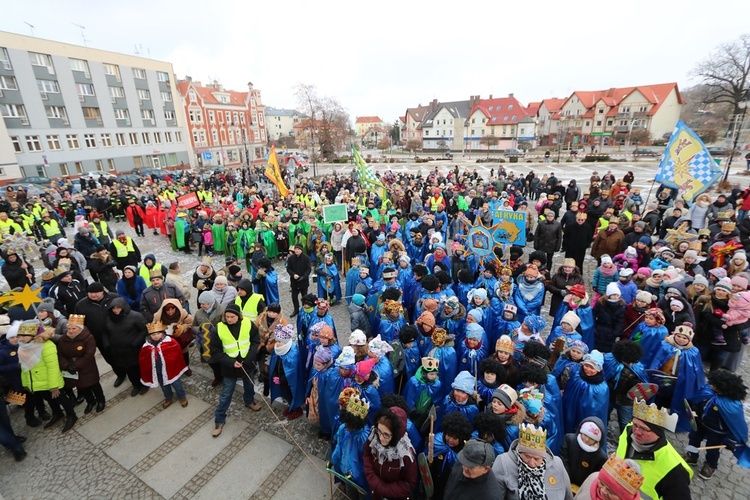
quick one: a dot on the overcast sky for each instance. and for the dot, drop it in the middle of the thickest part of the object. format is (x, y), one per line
(378, 58)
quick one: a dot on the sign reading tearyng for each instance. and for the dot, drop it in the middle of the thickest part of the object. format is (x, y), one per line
(187, 201)
(335, 213)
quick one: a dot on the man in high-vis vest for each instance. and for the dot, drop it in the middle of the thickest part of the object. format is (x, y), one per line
(149, 263)
(234, 345)
(124, 250)
(51, 230)
(666, 475)
(250, 303)
(100, 229)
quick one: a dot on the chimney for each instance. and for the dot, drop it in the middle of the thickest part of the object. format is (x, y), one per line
(510, 95)
(490, 96)
(188, 78)
(250, 85)
(433, 105)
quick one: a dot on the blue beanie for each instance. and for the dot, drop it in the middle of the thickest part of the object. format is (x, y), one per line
(358, 299)
(474, 331)
(646, 240)
(535, 323)
(476, 314)
(464, 382)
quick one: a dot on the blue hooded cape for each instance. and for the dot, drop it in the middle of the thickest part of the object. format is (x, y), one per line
(320, 376)
(330, 282)
(388, 330)
(613, 368)
(385, 374)
(347, 456)
(416, 386)
(272, 288)
(352, 276)
(448, 367)
(469, 359)
(328, 400)
(294, 376)
(731, 411)
(449, 405)
(583, 399)
(650, 338)
(585, 328)
(557, 333)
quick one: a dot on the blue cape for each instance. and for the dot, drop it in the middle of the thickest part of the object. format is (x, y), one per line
(294, 376)
(330, 283)
(385, 374)
(585, 328)
(583, 399)
(690, 379)
(347, 455)
(650, 338)
(447, 369)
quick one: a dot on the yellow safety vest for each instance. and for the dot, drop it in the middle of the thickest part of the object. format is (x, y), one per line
(206, 196)
(361, 203)
(145, 272)
(603, 223)
(171, 195)
(665, 459)
(6, 225)
(51, 228)
(234, 347)
(250, 309)
(99, 231)
(434, 202)
(37, 211)
(123, 250)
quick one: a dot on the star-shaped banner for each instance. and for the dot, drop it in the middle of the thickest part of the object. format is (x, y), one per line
(26, 297)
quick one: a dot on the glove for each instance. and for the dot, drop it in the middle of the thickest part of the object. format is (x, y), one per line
(201, 285)
(563, 292)
(718, 313)
(71, 369)
(276, 380)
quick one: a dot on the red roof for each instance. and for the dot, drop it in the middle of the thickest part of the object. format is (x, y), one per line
(654, 94)
(206, 94)
(501, 111)
(552, 104)
(533, 108)
(368, 119)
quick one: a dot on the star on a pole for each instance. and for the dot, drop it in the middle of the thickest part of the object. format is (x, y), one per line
(26, 297)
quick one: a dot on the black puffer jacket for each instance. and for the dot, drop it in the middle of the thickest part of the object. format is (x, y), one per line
(609, 320)
(15, 274)
(578, 462)
(124, 334)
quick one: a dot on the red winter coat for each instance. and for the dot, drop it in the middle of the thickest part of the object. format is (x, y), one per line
(172, 362)
(389, 479)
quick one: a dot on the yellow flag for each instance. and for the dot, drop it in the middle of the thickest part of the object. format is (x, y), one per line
(273, 172)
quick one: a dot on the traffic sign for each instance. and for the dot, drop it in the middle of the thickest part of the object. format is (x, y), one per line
(600, 134)
(207, 155)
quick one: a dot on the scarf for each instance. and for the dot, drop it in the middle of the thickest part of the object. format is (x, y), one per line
(281, 349)
(531, 480)
(30, 354)
(608, 272)
(382, 454)
(529, 290)
(130, 286)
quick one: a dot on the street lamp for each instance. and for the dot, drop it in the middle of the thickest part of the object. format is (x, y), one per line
(561, 132)
(738, 129)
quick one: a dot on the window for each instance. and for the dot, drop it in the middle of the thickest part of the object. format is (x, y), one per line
(178, 136)
(139, 73)
(4, 59)
(116, 93)
(202, 135)
(90, 140)
(196, 138)
(122, 114)
(16, 144)
(44, 60)
(600, 111)
(211, 116)
(144, 95)
(609, 123)
(598, 123)
(112, 69)
(138, 162)
(53, 142)
(228, 116)
(162, 76)
(234, 118)
(80, 65)
(146, 137)
(106, 140)
(166, 96)
(64, 169)
(196, 116)
(148, 115)
(99, 166)
(79, 167)
(85, 89)
(33, 143)
(120, 138)
(72, 141)
(48, 86)
(7, 83)
(215, 136)
(111, 164)
(157, 137)
(133, 139)
(625, 109)
(57, 112)
(242, 118)
(92, 114)
(193, 97)
(642, 109)
(169, 115)
(168, 137)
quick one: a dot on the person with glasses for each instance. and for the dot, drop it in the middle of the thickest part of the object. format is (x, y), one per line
(470, 478)
(666, 475)
(390, 460)
(529, 470)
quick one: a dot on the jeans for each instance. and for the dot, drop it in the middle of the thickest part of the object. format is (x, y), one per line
(7, 437)
(227, 391)
(177, 385)
(624, 415)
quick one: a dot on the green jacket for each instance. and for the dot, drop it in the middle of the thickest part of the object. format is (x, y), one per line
(46, 375)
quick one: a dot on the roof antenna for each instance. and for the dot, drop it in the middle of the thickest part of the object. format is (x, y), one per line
(30, 26)
(83, 36)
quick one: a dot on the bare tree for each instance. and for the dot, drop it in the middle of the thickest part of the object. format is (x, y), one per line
(489, 141)
(329, 120)
(726, 73)
(413, 145)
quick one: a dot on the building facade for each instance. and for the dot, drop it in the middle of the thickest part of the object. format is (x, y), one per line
(280, 122)
(71, 110)
(226, 127)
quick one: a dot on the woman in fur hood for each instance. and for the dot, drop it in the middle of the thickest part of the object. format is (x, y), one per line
(102, 267)
(179, 325)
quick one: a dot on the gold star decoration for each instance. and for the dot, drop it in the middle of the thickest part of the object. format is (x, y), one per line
(26, 298)
(680, 234)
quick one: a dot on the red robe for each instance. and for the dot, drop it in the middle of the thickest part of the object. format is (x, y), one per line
(151, 216)
(129, 212)
(172, 362)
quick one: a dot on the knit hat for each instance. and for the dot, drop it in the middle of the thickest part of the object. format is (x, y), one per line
(646, 240)
(322, 304)
(464, 382)
(283, 333)
(474, 331)
(132, 268)
(580, 346)
(718, 272)
(452, 302)
(644, 271)
(358, 299)
(357, 338)
(739, 254)
(426, 319)
(606, 259)
(119, 232)
(657, 314)
(591, 430)
(379, 347)
(47, 307)
(578, 290)
(700, 280)
(677, 303)
(613, 289)
(95, 287)
(690, 254)
(644, 296)
(532, 400)
(220, 280)
(346, 358)
(244, 284)
(725, 284)
(623, 477)
(535, 323)
(206, 297)
(630, 252)
(476, 314)
(506, 394)
(684, 330)
(233, 309)
(363, 369)
(572, 319)
(476, 453)
(480, 293)
(505, 344)
(625, 272)
(739, 281)
(595, 359)
(322, 354)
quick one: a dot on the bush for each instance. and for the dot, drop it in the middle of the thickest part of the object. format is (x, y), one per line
(513, 159)
(593, 158)
(569, 160)
(659, 143)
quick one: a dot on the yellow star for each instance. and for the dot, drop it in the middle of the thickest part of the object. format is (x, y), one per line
(26, 298)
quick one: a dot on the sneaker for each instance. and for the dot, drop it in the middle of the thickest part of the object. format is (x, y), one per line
(691, 459)
(719, 340)
(217, 430)
(706, 472)
(255, 406)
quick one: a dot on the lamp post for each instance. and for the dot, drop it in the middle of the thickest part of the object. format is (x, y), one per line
(561, 132)
(738, 129)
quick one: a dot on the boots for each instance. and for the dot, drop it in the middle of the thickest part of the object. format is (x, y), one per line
(70, 421)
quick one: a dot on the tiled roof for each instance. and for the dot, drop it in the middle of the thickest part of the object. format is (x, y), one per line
(368, 119)
(501, 111)
(417, 114)
(654, 94)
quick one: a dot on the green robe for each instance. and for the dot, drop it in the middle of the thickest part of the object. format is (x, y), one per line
(269, 242)
(218, 231)
(245, 240)
(179, 232)
(231, 242)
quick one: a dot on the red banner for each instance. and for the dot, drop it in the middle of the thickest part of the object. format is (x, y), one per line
(188, 201)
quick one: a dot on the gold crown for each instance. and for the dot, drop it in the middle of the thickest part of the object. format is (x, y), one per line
(430, 364)
(625, 476)
(347, 394)
(77, 319)
(358, 407)
(28, 328)
(505, 344)
(15, 398)
(654, 415)
(534, 438)
(724, 215)
(156, 327)
(439, 337)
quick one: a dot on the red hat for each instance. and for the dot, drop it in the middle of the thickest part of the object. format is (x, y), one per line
(364, 368)
(578, 290)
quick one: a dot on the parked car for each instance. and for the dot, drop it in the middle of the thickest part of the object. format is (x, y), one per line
(35, 180)
(645, 152)
(448, 155)
(513, 152)
(718, 150)
(128, 179)
(159, 172)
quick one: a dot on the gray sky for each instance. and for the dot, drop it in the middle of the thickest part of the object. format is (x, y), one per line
(378, 58)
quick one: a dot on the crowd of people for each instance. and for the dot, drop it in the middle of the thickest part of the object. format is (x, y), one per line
(503, 370)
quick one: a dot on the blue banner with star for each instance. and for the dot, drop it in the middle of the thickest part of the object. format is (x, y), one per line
(687, 165)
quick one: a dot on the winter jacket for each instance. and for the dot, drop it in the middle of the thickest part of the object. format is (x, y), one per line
(609, 319)
(578, 462)
(151, 299)
(225, 362)
(548, 236)
(561, 282)
(15, 274)
(578, 238)
(460, 487)
(96, 315)
(600, 281)
(124, 334)
(606, 242)
(79, 352)
(358, 318)
(103, 271)
(391, 480)
(134, 301)
(67, 295)
(226, 296)
(9, 366)
(505, 469)
(46, 374)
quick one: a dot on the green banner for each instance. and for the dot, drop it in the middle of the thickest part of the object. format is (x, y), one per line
(334, 213)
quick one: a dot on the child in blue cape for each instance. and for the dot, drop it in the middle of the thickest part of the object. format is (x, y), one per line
(464, 286)
(478, 300)
(623, 370)
(491, 376)
(379, 350)
(409, 362)
(566, 330)
(505, 324)
(472, 350)
(329, 282)
(586, 393)
(446, 354)
(452, 317)
(650, 333)
(504, 348)
(348, 443)
(491, 429)
(422, 390)
(335, 380)
(533, 402)
(322, 361)
(505, 405)
(530, 329)
(529, 293)
(285, 372)
(573, 355)
(391, 320)
(461, 398)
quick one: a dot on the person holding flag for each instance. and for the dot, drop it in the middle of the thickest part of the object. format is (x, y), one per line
(273, 172)
(366, 175)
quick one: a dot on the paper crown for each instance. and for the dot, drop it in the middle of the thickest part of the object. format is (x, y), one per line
(156, 327)
(439, 337)
(76, 319)
(533, 438)
(654, 415)
(15, 398)
(623, 474)
(506, 271)
(155, 273)
(505, 344)
(358, 407)
(430, 364)
(569, 262)
(28, 328)
(345, 395)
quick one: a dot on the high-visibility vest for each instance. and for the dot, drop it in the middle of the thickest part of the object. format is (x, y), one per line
(99, 231)
(206, 196)
(145, 272)
(123, 250)
(51, 228)
(250, 309)
(435, 201)
(6, 225)
(234, 347)
(361, 202)
(665, 459)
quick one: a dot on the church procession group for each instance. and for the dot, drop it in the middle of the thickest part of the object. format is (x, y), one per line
(457, 375)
